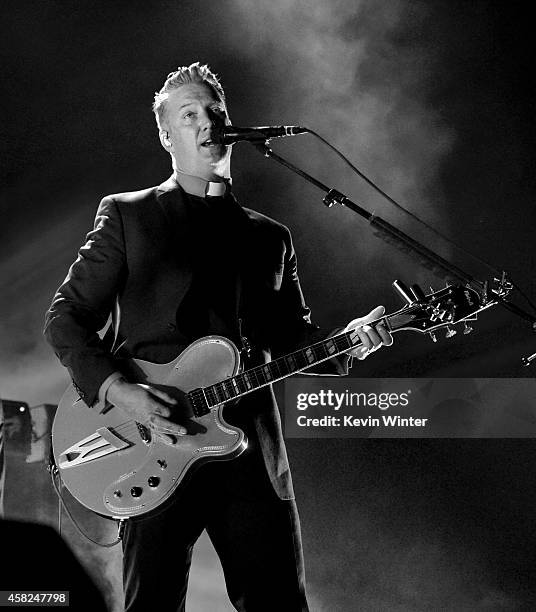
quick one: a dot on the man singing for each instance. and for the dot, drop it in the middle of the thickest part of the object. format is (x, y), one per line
(174, 263)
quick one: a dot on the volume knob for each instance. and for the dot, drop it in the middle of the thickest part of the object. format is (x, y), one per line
(153, 481)
(136, 491)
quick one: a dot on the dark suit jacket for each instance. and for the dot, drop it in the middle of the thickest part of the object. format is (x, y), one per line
(137, 263)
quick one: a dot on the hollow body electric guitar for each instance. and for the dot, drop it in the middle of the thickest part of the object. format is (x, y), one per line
(120, 469)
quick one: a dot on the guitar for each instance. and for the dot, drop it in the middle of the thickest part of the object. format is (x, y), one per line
(120, 469)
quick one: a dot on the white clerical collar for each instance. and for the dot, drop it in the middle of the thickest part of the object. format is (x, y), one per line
(195, 185)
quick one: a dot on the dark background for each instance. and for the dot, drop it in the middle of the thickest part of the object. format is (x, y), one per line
(434, 101)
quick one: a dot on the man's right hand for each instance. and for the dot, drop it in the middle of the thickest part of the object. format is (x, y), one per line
(141, 403)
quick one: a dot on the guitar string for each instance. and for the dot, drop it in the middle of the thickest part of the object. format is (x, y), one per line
(260, 375)
(264, 374)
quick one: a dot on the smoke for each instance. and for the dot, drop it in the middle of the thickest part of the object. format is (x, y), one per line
(354, 71)
(28, 278)
(348, 69)
(351, 71)
(417, 572)
(403, 534)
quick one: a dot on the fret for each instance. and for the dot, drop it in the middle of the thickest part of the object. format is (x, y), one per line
(331, 347)
(228, 385)
(219, 393)
(302, 359)
(216, 395)
(291, 362)
(247, 381)
(319, 351)
(267, 372)
(282, 368)
(275, 370)
(209, 395)
(299, 360)
(259, 377)
(224, 391)
(354, 338)
(241, 384)
(343, 342)
(254, 378)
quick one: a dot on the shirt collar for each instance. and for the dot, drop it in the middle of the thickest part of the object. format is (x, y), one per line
(195, 185)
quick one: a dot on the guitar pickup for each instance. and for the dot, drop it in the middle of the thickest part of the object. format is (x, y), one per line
(99, 444)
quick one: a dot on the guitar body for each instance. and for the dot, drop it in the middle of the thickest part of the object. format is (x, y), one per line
(119, 469)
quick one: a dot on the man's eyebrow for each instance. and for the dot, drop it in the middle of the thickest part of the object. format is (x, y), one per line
(186, 104)
(218, 102)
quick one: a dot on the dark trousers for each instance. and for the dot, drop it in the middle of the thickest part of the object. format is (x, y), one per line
(256, 535)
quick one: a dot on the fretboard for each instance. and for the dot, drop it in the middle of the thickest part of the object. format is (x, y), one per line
(278, 369)
(425, 314)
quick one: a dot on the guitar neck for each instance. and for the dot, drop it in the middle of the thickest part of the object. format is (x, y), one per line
(424, 314)
(282, 367)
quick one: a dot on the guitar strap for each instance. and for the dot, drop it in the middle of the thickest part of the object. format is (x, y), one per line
(245, 345)
(245, 348)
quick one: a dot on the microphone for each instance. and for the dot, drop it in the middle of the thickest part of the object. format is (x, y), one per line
(230, 134)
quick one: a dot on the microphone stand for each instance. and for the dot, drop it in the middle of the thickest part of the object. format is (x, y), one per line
(397, 237)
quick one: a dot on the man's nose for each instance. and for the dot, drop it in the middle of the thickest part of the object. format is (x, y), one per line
(205, 120)
(209, 119)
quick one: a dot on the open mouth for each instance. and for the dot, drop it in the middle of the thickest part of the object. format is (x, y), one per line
(208, 143)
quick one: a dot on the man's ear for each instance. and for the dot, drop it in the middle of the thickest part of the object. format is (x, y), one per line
(164, 140)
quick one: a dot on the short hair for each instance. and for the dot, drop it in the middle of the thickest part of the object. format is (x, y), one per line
(194, 73)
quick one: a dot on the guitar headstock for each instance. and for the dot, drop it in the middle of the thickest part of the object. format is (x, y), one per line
(443, 308)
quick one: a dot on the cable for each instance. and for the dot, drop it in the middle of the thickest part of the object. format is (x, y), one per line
(53, 474)
(413, 216)
(396, 204)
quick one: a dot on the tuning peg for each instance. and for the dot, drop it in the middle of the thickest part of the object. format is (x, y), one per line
(467, 329)
(432, 336)
(437, 313)
(431, 289)
(450, 332)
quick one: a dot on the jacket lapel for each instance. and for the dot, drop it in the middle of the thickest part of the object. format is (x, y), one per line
(174, 235)
(170, 198)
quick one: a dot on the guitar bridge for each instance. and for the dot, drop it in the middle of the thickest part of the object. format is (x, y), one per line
(99, 444)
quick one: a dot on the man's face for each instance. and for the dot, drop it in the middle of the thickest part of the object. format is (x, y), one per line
(193, 111)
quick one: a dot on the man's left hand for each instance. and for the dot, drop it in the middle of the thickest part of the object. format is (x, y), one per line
(371, 336)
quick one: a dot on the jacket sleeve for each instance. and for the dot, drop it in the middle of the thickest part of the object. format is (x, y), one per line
(84, 301)
(292, 318)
